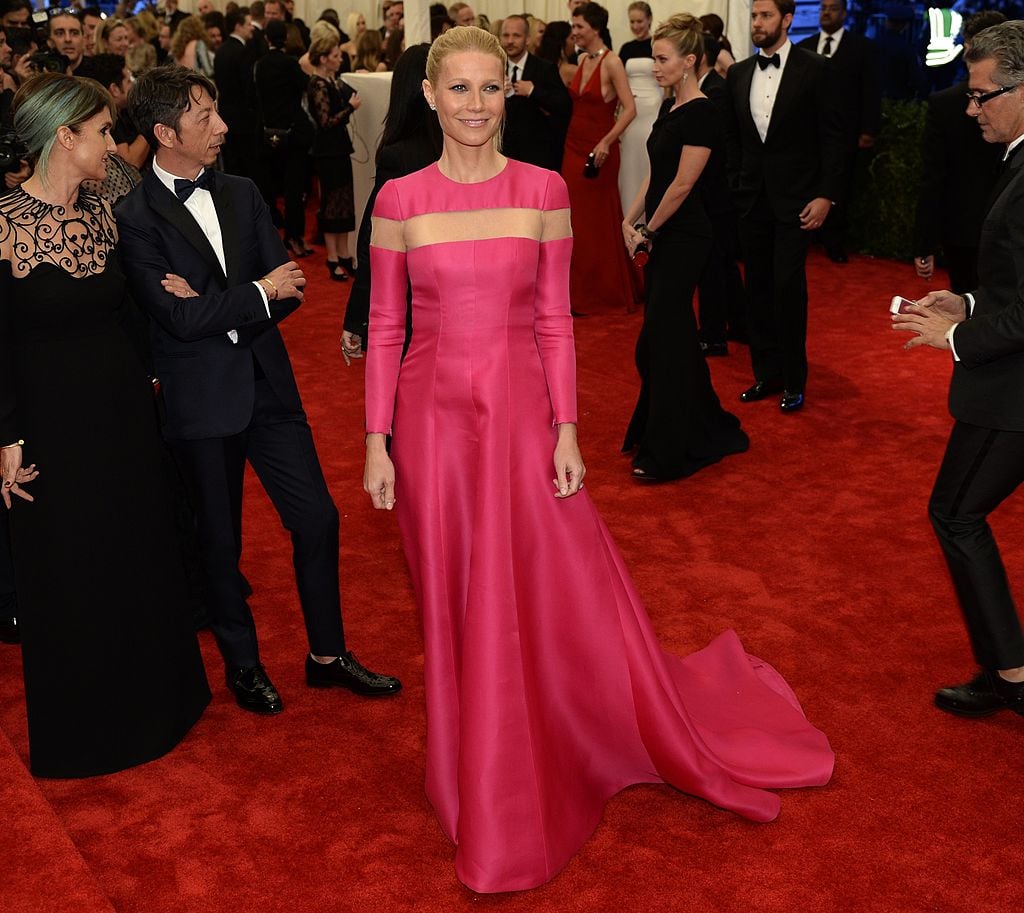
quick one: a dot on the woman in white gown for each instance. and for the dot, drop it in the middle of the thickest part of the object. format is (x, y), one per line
(636, 55)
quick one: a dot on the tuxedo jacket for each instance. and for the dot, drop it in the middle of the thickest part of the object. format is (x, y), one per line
(535, 126)
(856, 80)
(803, 154)
(207, 382)
(280, 90)
(958, 172)
(988, 380)
(236, 89)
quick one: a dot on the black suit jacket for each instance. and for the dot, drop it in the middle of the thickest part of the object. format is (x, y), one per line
(280, 88)
(958, 171)
(236, 89)
(207, 382)
(857, 82)
(803, 154)
(988, 380)
(535, 126)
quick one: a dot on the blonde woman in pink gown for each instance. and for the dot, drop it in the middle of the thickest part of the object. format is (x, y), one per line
(547, 691)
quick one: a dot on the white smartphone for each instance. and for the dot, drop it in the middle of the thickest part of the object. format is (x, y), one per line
(899, 305)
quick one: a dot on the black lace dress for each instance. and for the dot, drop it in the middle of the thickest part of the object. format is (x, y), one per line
(113, 674)
(332, 152)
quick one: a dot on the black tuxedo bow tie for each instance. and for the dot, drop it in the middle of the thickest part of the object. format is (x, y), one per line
(764, 62)
(184, 188)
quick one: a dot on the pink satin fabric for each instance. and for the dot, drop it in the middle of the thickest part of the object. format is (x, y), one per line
(547, 691)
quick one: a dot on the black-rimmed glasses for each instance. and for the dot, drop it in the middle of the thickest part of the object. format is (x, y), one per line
(979, 98)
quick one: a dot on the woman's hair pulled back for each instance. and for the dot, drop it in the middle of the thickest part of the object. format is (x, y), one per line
(685, 33)
(458, 40)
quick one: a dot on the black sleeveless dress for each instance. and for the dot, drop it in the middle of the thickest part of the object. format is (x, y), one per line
(678, 425)
(113, 673)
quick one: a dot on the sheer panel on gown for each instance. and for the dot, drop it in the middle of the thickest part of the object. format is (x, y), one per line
(547, 691)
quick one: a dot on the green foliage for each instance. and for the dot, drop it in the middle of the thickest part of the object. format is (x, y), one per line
(885, 191)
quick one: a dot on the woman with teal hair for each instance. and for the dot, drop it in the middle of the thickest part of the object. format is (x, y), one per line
(113, 674)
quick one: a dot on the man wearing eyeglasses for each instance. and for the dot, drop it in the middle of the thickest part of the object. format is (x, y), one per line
(958, 170)
(984, 330)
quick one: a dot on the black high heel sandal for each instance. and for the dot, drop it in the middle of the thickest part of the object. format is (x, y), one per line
(333, 266)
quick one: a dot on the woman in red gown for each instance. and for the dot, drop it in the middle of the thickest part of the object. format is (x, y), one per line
(546, 689)
(600, 278)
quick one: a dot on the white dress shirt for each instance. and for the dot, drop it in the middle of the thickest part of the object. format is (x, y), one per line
(764, 87)
(520, 63)
(200, 205)
(836, 36)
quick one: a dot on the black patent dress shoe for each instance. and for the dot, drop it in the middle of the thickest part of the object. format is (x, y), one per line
(347, 672)
(985, 694)
(791, 402)
(254, 690)
(837, 255)
(760, 390)
(9, 633)
(714, 349)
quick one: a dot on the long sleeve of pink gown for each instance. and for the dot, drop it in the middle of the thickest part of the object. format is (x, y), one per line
(388, 304)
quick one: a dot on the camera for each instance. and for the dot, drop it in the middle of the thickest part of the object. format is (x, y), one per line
(12, 150)
(48, 62)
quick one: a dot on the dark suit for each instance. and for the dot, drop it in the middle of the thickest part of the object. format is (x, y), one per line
(227, 403)
(800, 159)
(958, 171)
(984, 461)
(858, 93)
(236, 103)
(721, 298)
(535, 125)
(280, 89)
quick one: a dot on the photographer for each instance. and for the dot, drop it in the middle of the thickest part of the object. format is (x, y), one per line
(14, 168)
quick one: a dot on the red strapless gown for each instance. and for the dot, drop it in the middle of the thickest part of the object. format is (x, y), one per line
(547, 691)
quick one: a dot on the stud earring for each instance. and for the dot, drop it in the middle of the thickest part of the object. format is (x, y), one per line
(432, 107)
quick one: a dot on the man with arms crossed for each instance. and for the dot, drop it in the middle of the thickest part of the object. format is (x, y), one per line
(984, 330)
(205, 262)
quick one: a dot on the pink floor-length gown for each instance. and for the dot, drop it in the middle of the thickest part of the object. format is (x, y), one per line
(547, 691)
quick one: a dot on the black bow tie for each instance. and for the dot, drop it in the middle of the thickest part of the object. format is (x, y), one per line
(764, 62)
(184, 188)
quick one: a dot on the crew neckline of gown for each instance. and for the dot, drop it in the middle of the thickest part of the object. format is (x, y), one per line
(494, 177)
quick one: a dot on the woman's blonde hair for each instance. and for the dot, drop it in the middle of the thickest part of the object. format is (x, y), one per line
(190, 28)
(458, 40)
(352, 24)
(463, 39)
(322, 45)
(685, 33)
(104, 33)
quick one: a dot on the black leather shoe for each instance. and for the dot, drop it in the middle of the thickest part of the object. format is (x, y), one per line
(791, 402)
(254, 690)
(347, 672)
(837, 255)
(9, 633)
(760, 390)
(984, 695)
(714, 349)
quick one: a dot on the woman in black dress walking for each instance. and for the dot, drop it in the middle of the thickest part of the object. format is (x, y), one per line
(678, 425)
(113, 675)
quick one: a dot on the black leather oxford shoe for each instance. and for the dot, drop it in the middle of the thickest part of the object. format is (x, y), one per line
(347, 672)
(254, 690)
(983, 695)
(791, 402)
(9, 633)
(760, 390)
(714, 349)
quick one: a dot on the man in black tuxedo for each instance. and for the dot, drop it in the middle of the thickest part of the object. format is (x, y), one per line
(784, 144)
(984, 330)
(236, 93)
(204, 261)
(858, 93)
(8, 594)
(537, 105)
(958, 171)
(172, 15)
(721, 297)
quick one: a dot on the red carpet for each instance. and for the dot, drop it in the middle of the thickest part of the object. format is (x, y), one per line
(814, 546)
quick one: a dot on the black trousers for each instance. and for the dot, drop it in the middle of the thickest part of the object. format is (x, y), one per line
(721, 297)
(981, 468)
(287, 170)
(8, 600)
(775, 253)
(279, 446)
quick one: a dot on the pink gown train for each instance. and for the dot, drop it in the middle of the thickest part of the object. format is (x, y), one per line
(547, 691)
